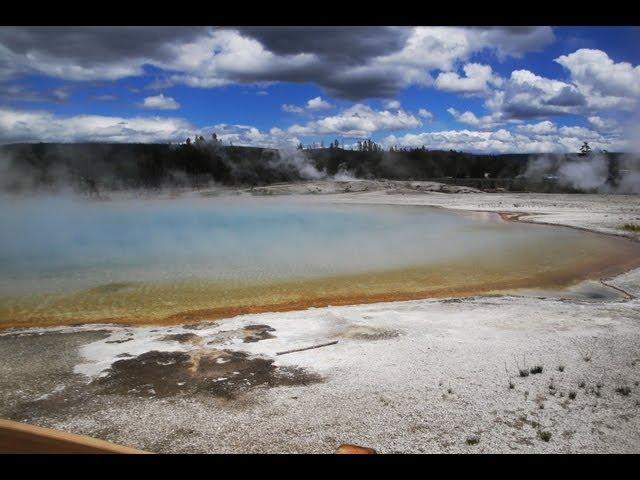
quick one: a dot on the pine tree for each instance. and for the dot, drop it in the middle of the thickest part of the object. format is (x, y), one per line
(585, 149)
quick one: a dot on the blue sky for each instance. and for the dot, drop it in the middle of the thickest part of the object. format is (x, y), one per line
(532, 89)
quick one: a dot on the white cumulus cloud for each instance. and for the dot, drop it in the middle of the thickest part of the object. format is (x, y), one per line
(477, 79)
(424, 113)
(357, 121)
(595, 73)
(470, 118)
(160, 102)
(318, 103)
(292, 108)
(43, 126)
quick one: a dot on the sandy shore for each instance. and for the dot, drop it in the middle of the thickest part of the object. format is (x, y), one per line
(417, 376)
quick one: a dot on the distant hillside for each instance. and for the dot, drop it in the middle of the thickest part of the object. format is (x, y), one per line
(100, 166)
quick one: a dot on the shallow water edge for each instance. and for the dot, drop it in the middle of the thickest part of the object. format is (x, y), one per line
(169, 303)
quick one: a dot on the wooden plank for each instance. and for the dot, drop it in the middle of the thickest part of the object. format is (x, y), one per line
(349, 449)
(16, 437)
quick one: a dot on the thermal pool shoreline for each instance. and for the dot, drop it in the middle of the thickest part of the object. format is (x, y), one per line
(421, 376)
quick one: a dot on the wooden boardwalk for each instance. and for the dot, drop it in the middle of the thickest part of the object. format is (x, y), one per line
(16, 437)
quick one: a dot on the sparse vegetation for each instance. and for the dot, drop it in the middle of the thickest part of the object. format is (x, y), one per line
(473, 440)
(511, 384)
(536, 369)
(596, 391)
(624, 390)
(585, 354)
(524, 370)
(544, 435)
(581, 384)
(631, 227)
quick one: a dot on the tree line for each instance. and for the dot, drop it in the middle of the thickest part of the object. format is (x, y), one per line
(200, 162)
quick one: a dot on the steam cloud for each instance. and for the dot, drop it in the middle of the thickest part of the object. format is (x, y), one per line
(596, 172)
(63, 167)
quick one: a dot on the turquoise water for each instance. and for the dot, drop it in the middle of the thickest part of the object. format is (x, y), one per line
(55, 243)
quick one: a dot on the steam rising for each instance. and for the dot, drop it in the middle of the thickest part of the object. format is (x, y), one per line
(81, 167)
(59, 242)
(596, 172)
(297, 160)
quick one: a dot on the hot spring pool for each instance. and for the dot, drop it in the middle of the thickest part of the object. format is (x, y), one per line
(69, 260)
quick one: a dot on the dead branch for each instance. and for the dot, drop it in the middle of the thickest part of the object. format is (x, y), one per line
(308, 348)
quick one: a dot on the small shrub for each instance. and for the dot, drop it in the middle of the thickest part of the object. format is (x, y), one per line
(541, 406)
(511, 385)
(449, 390)
(523, 372)
(473, 440)
(572, 395)
(581, 384)
(536, 369)
(624, 391)
(561, 368)
(544, 435)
